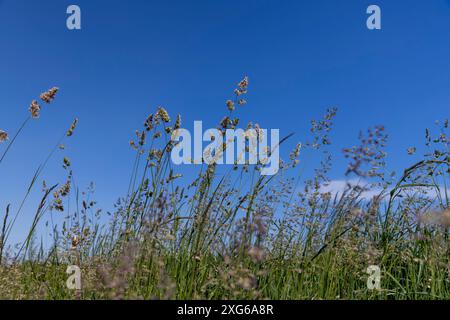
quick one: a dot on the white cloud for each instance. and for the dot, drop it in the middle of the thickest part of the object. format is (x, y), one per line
(337, 187)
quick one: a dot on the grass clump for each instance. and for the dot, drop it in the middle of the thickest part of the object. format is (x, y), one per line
(236, 234)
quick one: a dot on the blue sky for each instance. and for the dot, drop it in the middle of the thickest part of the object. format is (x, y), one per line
(131, 56)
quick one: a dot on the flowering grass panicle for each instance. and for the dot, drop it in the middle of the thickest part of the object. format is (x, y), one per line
(3, 136)
(49, 95)
(35, 109)
(177, 124)
(74, 124)
(163, 114)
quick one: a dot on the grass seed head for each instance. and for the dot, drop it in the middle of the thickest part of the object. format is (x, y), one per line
(230, 105)
(3, 136)
(163, 114)
(35, 109)
(177, 123)
(49, 96)
(72, 127)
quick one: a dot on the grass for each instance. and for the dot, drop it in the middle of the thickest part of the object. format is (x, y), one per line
(234, 234)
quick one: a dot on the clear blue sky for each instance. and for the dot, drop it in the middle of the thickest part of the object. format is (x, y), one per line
(131, 56)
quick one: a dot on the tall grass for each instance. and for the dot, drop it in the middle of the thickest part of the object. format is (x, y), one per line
(234, 234)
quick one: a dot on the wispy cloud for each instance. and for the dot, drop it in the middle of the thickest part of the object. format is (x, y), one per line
(337, 187)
